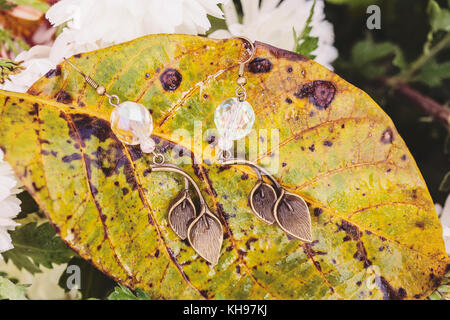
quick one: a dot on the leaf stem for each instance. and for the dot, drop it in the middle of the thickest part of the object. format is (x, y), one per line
(439, 112)
(407, 75)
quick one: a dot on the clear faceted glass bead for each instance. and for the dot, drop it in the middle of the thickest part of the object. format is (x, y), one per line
(131, 122)
(234, 119)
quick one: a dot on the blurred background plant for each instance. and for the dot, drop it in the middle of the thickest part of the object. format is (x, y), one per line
(404, 66)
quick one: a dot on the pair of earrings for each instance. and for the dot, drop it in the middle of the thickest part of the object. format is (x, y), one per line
(234, 118)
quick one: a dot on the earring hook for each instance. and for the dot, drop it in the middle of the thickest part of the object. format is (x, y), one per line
(252, 53)
(251, 45)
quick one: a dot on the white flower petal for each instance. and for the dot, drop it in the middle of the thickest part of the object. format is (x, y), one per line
(272, 22)
(5, 241)
(445, 213)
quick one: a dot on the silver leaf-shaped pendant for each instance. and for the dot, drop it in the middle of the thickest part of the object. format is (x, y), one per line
(292, 215)
(261, 199)
(181, 213)
(205, 235)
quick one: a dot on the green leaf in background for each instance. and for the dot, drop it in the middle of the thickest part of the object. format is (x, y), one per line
(304, 43)
(443, 292)
(11, 291)
(123, 293)
(7, 66)
(445, 184)
(433, 73)
(35, 246)
(94, 284)
(366, 52)
(40, 5)
(439, 17)
(6, 5)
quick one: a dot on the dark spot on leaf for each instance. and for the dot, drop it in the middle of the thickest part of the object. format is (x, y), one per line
(403, 157)
(389, 292)
(320, 92)
(78, 55)
(53, 72)
(35, 110)
(170, 79)
(63, 97)
(289, 69)
(94, 190)
(387, 136)
(420, 224)
(90, 126)
(244, 176)
(147, 172)
(311, 148)
(36, 188)
(289, 100)
(327, 143)
(260, 65)
(284, 164)
(318, 211)
(249, 242)
(355, 234)
(72, 157)
(157, 253)
(204, 293)
(125, 191)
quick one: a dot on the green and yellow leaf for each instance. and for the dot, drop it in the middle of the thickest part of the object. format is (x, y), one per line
(376, 233)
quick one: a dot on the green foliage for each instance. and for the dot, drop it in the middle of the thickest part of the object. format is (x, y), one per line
(369, 58)
(6, 5)
(433, 73)
(94, 284)
(11, 291)
(9, 43)
(304, 43)
(123, 293)
(443, 292)
(439, 17)
(445, 184)
(35, 246)
(40, 5)
(8, 68)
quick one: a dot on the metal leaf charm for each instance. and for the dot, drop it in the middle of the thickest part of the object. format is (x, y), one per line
(205, 235)
(292, 215)
(261, 199)
(181, 213)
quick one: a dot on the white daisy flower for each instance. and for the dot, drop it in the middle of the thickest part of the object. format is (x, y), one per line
(272, 22)
(444, 215)
(101, 23)
(9, 203)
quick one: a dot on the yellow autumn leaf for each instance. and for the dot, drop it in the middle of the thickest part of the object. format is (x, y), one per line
(375, 232)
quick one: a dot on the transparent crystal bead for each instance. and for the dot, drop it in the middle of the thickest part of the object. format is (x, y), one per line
(234, 119)
(131, 123)
(148, 145)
